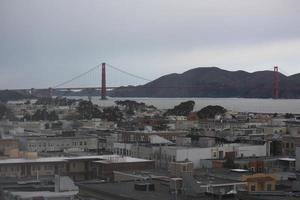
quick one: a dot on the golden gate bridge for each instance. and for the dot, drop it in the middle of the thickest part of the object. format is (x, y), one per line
(103, 85)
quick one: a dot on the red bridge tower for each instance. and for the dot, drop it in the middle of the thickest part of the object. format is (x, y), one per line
(103, 83)
(276, 83)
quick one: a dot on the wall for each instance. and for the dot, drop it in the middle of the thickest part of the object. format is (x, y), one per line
(106, 169)
(252, 150)
(194, 155)
(298, 158)
(8, 144)
(30, 169)
(289, 144)
(60, 143)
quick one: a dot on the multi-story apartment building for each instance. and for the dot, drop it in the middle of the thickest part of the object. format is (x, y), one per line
(59, 143)
(164, 155)
(289, 144)
(78, 168)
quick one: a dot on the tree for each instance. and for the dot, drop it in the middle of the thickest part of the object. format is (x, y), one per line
(87, 110)
(27, 117)
(6, 112)
(112, 114)
(162, 124)
(27, 102)
(211, 111)
(183, 109)
(229, 163)
(132, 106)
(52, 116)
(289, 116)
(40, 115)
(58, 101)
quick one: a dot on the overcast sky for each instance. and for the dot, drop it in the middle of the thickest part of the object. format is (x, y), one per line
(44, 42)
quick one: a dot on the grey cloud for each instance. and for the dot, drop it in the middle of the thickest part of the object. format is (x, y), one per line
(144, 37)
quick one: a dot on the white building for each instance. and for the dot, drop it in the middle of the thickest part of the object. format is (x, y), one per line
(174, 153)
(163, 155)
(64, 189)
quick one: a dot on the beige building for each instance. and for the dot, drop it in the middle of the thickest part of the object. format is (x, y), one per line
(178, 169)
(289, 144)
(260, 182)
(59, 143)
(6, 145)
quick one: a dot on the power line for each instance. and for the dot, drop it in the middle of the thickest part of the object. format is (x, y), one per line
(76, 77)
(128, 73)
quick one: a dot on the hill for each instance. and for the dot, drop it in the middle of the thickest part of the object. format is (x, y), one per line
(214, 82)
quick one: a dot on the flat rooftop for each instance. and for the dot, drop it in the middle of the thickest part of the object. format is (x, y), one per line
(120, 159)
(101, 158)
(125, 190)
(224, 145)
(47, 194)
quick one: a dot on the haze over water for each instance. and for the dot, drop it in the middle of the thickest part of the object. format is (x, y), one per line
(234, 104)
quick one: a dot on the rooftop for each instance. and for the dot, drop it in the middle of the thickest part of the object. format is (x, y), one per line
(102, 158)
(125, 190)
(47, 194)
(119, 159)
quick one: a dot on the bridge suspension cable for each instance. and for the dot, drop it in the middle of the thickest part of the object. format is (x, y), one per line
(76, 77)
(96, 67)
(128, 73)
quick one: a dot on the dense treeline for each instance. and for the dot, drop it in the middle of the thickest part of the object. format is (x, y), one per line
(6, 113)
(42, 114)
(8, 95)
(132, 106)
(211, 111)
(183, 109)
(87, 110)
(58, 101)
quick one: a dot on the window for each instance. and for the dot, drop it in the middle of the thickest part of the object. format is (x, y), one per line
(269, 187)
(174, 158)
(253, 188)
(287, 145)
